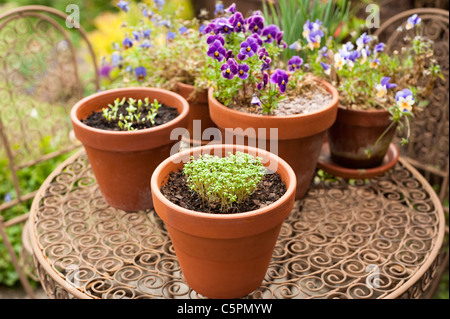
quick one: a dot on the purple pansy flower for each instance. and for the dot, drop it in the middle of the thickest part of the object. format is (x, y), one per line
(219, 8)
(294, 63)
(384, 86)
(146, 44)
(256, 24)
(231, 9)
(249, 47)
(211, 28)
(146, 33)
(405, 100)
(123, 5)
(379, 47)
(213, 38)
(314, 39)
(242, 71)
(140, 73)
(105, 70)
(326, 68)
(127, 43)
(257, 38)
(309, 27)
(237, 20)
(264, 55)
(170, 36)
(217, 51)
(160, 4)
(280, 78)
(229, 69)
(255, 101)
(202, 29)
(136, 35)
(362, 41)
(223, 26)
(229, 55)
(412, 21)
(265, 80)
(183, 30)
(270, 32)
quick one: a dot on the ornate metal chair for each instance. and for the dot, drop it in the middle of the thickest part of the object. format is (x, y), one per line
(42, 75)
(428, 149)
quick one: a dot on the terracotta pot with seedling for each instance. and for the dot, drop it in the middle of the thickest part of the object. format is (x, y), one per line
(126, 134)
(255, 101)
(379, 94)
(223, 206)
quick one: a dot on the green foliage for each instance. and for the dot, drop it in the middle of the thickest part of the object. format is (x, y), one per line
(224, 181)
(290, 16)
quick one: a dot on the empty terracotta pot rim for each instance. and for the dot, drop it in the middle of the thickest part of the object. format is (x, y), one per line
(332, 105)
(290, 186)
(130, 91)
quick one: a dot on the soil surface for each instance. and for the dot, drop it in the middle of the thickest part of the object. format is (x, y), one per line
(303, 104)
(97, 120)
(269, 190)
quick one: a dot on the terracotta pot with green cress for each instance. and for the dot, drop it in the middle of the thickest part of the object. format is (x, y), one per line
(223, 255)
(123, 161)
(297, 139)
(360, 138)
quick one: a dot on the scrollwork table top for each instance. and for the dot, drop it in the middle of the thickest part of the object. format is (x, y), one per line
(376, 238)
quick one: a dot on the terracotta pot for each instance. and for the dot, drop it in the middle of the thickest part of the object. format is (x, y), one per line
(223, 255)
(198, 110)
(298, 140)
(356, 131)
(123, 161)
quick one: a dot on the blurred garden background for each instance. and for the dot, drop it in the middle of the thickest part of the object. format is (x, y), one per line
(102, 21)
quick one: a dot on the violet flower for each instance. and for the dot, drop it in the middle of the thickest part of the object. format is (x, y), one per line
(140, 73)
(314, 39)
(256, 101)
(136, 35)
(412, 22)
(270, 32)
(280, 78)
(146, 44)
(229, 69)
(237, 21)
(362, 41)
(379, 47)
(405, 100)
(170, 36)
(219, 8)
(384, 86)
(264, 55)
(242, 71)
(265, 80)
(256, 24)
(257, 38)
(123, 5)
(211, 29)
(213, 38)
(105, 70)
(231, 9)
(294, 63)
(183, 30)
(217, 51)
(127, 43)
(248, 47)
(223, 26)
(160, 4)
(326, 68)
(146, 33)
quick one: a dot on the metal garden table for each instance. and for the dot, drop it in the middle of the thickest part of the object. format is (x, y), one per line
(375, 238)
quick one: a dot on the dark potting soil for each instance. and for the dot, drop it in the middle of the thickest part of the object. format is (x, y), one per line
(268, 191)
(97, 120)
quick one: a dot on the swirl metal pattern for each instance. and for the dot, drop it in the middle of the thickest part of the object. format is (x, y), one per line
(377, 238)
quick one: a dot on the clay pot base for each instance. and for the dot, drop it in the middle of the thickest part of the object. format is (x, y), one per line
(326, 163)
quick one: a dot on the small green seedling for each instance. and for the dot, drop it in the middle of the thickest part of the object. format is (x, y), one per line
(224, 181)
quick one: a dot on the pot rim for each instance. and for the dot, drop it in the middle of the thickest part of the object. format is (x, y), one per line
(330, 88)
(290, 189)
(371, 111)
(175, 122)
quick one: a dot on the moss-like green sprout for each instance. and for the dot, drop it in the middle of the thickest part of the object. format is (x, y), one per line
(224, 181)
